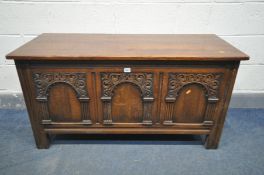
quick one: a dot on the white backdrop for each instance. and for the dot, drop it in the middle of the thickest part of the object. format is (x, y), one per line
(240, 22)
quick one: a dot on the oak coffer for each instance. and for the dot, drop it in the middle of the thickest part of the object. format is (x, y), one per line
(127, 84)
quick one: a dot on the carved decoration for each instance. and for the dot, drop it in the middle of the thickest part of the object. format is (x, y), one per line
(144, 81)
(43, 81)
(210, 82)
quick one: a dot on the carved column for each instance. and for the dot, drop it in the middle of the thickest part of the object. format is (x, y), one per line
(44, 81)
(85, 112)
(43, 111)
(147, 110)
(144, 81)
(210, 82)
(107, 112)
(210, 108)
(169, 111)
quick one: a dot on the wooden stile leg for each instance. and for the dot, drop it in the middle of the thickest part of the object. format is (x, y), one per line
(41, 138)
(210, 141)
(213, 139)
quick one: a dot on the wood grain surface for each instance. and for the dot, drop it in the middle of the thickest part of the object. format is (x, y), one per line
(199, 47)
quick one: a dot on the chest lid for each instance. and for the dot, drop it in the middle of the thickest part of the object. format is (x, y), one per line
(169, 47)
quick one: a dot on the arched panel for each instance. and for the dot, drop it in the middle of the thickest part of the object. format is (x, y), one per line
(64, 96)
(190, 105)
(138, 99)
(127, 104)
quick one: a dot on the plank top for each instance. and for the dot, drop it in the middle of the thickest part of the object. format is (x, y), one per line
(196, 47)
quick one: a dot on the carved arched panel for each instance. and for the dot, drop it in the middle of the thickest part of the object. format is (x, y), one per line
(142, 81)
(75, 83)
(205, 87)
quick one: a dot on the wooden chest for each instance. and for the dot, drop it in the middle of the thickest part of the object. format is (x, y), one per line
(127, 84)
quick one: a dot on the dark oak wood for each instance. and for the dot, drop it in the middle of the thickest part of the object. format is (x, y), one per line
(127, 84)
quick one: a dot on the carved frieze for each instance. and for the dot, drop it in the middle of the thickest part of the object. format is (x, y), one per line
(209, 81)
(43, 81)
(144, 81)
